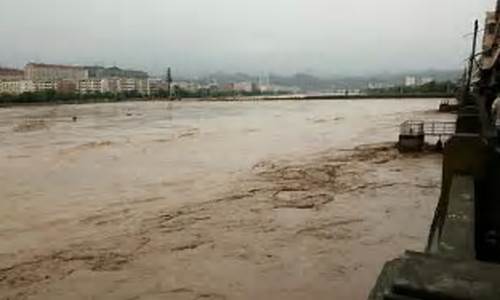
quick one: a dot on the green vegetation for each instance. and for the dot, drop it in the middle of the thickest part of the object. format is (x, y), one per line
(216, 93)
(431, 88)
(51, 96)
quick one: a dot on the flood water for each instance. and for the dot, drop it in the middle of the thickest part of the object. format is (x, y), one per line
(144, 157)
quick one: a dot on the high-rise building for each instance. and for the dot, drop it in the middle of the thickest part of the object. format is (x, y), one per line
(7, 74)
(48, 72)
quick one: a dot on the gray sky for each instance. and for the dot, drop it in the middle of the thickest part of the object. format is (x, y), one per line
(344, 37)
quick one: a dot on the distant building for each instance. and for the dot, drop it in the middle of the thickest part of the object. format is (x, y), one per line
(66, 87)
(255, 87)
(9, 87)
(113, 85)
(228, 87)
(426, 80)
(70, 79)
(187, 86)
(45, 86)
(48, 72)
(347, 92)
(23, 86)
(127, 85)
(16, 87)
(7, 74)
(90, 86)
(243, 87)
(266, 87)
(97, 72)
(490, 41)
(155, 86)
(286, 89)
(142, 86)
(377, 85)
(410, 81)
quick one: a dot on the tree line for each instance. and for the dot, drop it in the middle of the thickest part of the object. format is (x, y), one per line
(52, 96)
(444, 88)
(49, 96)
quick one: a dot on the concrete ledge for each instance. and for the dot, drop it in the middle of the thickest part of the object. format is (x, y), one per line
(457, 239)
(422, 276)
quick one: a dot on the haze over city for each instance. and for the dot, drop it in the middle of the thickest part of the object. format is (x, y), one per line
(323, 37)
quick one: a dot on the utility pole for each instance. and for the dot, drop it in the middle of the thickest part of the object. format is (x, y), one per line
(471, 63)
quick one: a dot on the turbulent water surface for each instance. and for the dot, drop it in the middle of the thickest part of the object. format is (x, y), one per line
(219, 200)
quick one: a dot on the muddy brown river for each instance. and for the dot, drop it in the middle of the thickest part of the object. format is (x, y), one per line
(209, 200)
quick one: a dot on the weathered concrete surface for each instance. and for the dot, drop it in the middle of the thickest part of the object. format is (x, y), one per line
(421, 276)
(464, 154)
(457, 238)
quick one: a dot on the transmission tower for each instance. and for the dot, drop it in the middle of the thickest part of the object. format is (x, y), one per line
(169, 82)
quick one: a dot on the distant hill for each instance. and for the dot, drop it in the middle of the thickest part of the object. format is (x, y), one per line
(312, 83)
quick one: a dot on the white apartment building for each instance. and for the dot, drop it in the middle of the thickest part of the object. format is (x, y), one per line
(127, 85)
(45, 85)
(113, 85)
(10, 87)
(91, 86)
(16, 87)
(24, 86)
(410, 81)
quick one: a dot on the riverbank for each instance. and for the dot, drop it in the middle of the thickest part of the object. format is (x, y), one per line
(362, 97)
(238, 98)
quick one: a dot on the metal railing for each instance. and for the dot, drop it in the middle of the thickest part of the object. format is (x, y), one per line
(412, 128)
(439, 128)
(429, 128)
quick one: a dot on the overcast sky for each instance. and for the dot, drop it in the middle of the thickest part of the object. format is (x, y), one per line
(343, 37)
